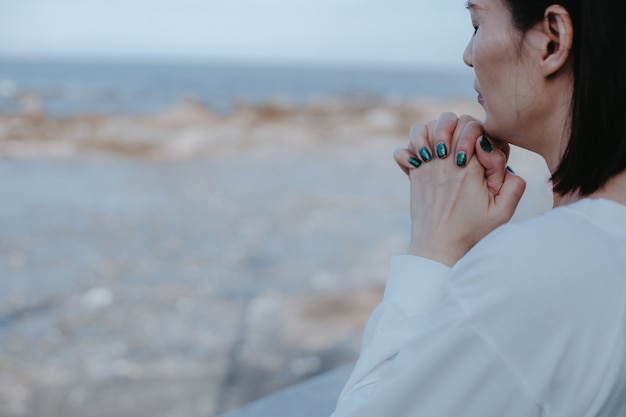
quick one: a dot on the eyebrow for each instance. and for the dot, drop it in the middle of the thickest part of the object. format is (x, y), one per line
(469, 5)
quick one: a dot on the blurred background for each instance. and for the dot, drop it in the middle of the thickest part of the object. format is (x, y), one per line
(198, 198)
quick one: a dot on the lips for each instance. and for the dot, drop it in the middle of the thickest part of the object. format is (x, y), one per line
(480, 96)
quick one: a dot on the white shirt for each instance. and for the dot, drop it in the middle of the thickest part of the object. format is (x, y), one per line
(531, 322)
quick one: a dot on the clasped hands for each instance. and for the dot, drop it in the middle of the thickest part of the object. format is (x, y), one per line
(460, 187)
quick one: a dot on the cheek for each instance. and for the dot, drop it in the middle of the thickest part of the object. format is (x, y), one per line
(495, 75)
(491, 66)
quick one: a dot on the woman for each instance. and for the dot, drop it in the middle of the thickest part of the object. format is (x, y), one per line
(486, 319)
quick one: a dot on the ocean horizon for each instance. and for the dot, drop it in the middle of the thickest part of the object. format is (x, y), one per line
(64, 88)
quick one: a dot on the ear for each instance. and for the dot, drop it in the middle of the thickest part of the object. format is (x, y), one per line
(558, 32)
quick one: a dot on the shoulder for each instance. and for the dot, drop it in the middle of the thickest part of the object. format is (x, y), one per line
(562, 270)
(545, 291)
(550, 262)
(557, 243)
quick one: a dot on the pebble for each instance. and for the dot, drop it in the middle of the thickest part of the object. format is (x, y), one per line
(97, 297)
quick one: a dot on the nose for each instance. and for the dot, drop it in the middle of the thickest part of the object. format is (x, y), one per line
(467, 54)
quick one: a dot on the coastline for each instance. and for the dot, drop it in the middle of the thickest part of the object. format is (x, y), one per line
(186, 263)
(191, 130)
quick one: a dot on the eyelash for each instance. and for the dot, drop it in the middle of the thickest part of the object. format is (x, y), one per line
(475, 29)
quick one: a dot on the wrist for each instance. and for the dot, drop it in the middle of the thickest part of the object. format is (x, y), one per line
(446, 254)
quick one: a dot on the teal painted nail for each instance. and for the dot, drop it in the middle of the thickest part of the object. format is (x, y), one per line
(485, 144)
(461, 159)
(415, 162)
(442, 150)
(508, 168)
(425, 154)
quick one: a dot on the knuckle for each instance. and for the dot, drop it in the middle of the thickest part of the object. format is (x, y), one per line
(505, 214)
(442, 135)
(466, 118)
(495, 159)
(521, 184)
(430, 126)
(448, 115)
(466, 142)
(474, 127)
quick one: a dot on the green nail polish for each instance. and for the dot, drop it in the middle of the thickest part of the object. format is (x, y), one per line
(461, 159)
(485, 144)
(442, 150)
(425, 154)
(508, 168)
(415, 162)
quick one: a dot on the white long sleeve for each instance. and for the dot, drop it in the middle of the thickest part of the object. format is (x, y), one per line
(531, 322)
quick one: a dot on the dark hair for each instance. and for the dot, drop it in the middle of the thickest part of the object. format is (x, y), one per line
(597, 147)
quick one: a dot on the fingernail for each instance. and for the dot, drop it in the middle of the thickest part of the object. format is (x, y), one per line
(485, 144)
(508, 168)
(415, 162)
(461, 159)
(442, 150)
(425, 154)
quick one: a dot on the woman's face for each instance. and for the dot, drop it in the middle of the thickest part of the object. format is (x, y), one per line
(505, 82)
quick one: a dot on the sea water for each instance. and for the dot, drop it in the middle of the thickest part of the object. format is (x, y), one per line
(70, 88)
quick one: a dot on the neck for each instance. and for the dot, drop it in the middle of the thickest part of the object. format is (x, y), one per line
(564, 200)
(614, 190)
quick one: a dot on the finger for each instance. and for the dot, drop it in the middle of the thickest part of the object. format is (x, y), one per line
(443, 131)
(416, 135)
(418, 141)
(509, 196)
(501, 145)
(466, 142)
(403, 156)
(427, 152)
(463, 120)
(494, 162)
(505, 148)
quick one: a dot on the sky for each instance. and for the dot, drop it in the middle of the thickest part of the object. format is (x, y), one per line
(381, 32)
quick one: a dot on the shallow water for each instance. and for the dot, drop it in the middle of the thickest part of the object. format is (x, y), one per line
(112, 268)
(188, 283)
(70, 88)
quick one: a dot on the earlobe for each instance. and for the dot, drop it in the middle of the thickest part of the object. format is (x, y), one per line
(558, 38)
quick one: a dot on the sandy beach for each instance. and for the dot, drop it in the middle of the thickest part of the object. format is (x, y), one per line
(185, 263)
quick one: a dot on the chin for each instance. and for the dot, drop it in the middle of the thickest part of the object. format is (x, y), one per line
(498, 131)
(492, 129)
(503, 136)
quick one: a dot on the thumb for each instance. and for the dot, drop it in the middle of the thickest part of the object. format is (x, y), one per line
(494, 162)
(510, 195)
